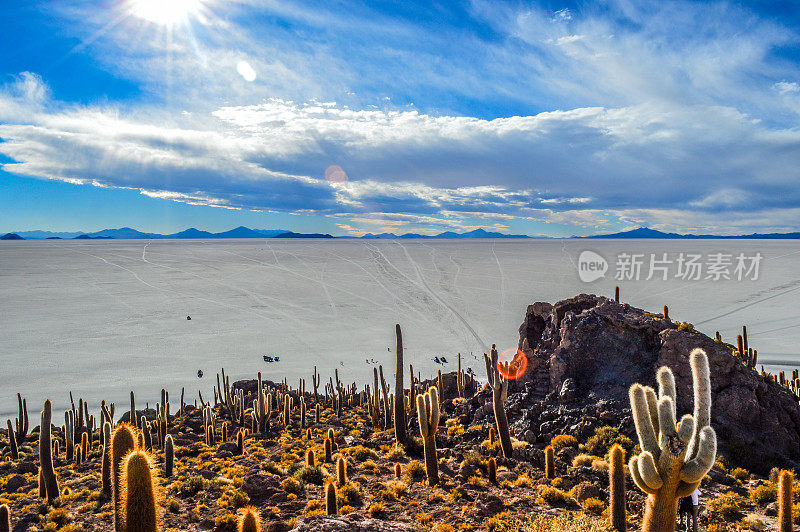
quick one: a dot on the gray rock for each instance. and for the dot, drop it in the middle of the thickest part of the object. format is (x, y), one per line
(603, 347)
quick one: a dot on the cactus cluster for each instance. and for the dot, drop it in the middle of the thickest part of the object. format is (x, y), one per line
(675, 455)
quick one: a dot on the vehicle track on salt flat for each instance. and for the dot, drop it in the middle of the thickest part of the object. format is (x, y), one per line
(502, 282)
(307, 278)
(393, 295)
(408, 291)
(440, 299)
(258, 299)
(190, 296)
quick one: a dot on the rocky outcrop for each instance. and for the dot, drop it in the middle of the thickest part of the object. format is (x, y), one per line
(585, 352)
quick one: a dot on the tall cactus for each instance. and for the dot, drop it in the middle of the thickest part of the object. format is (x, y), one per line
(47, 471)
(341, 471)
(399, 391)
(12, 441)
(674, 459)
(122, 442)
(169, 456)
(428, 417)
(785, 501)
(250, 521)
(22, 420)
(132, 417)
(499, 386)
(5, 518)
(139, 496)
(549, 462)
(106, 463)
(616, 488)
(331, 507)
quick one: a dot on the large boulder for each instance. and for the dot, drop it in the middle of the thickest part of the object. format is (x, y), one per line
(600, 347)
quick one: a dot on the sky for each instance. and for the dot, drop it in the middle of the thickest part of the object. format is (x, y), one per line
(551, 118)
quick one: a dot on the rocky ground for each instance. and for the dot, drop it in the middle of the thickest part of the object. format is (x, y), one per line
(578, 412)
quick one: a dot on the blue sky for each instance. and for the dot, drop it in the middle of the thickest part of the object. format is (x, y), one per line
(553, 118)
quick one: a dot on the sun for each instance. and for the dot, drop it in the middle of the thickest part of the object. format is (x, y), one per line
(165, 12)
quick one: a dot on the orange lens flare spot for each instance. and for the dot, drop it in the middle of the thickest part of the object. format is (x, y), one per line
(512, 364)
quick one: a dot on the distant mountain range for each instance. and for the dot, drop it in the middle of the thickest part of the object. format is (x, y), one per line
(477, 233)
(645, 232)
(245, 232)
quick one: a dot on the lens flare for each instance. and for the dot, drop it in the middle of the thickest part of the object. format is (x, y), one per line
(335, 174)
(512, 364)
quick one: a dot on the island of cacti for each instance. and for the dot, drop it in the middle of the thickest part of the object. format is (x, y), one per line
(414, 452)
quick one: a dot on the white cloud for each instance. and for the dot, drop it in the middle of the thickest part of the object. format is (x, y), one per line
(786, 87)
(419, 168)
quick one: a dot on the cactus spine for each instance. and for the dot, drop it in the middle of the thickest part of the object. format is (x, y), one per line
(676, 456)
(785, 501)
(250, 520)
(341, 471)
(428, 417)
(616, 488)
(549, 462)
(139, 494)
(399, 390)
(499, 386)
(311, 460)
(48, 472)
(330, 499)
(169, 456)
(328, 449)
(122, 443)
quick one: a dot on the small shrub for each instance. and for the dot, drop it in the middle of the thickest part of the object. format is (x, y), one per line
(604, 438)
(309, 475)
(751, 522)
(375, 509)
(564, 522)
(563, 440)
(192, 485)
(292, 485)
(740, 474)
(764, 494)
(415, 470)
(553, 496)
(359, 452)
(584, 460)
(423, 518)
(477, 481)
(349, 494)
(727, 506)
(595, 506)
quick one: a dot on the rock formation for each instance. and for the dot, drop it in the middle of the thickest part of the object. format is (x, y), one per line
(585, 352)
